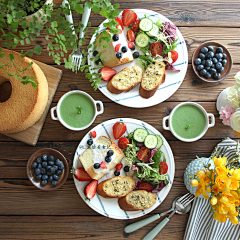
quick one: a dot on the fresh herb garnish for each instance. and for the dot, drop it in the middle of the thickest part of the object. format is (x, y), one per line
(79, 110)
(187, 127)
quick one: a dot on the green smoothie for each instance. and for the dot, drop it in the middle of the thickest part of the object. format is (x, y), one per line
(188, 121)
(77, 110)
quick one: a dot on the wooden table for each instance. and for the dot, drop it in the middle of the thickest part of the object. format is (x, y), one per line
(28, 213)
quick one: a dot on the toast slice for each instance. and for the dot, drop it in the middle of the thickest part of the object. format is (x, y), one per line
(97, 154)
(153, 77)
(125, 80)
(116, 187)
(137, 200)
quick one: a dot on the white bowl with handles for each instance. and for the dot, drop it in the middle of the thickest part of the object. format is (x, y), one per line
(207, 125)
(59, 118)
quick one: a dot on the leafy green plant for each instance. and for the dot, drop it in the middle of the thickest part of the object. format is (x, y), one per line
(16, 31)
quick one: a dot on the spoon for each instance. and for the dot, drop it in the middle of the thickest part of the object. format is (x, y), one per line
(135, 226)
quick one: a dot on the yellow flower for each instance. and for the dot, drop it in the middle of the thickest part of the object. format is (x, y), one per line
(219, 161)
(233, 220)
(194, 183)
(213, 200)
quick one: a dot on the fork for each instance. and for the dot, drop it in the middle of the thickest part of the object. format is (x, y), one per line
(181, 204)
(77, 54)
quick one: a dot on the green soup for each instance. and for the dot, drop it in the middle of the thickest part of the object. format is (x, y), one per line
(188, 121)
(77, 110)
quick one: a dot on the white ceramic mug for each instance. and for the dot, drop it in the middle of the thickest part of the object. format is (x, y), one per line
(59, 118)
(207, 116)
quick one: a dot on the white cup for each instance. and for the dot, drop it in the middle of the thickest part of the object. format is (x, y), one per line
(59, 118)
(207, 116)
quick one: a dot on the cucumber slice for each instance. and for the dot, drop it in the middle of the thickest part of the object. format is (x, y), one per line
(160, 141)
(142, 40)
(140, 134)
(154, 31)
(146, 24)
(150, 141)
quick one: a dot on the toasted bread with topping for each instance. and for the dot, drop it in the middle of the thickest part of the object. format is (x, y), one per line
(125, 80)
(153, 77)
(137, 200)
(116, 187)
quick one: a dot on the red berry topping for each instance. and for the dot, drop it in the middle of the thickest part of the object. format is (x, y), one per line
(131, 44)
(102, 165)
(117, 47)
(93, 134)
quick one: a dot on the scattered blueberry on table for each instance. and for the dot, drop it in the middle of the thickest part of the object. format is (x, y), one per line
(47, 169)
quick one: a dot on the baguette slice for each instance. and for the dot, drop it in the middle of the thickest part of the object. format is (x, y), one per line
(125, 80)
(87, 158)
(137, 200)
(116, 187)
(153, 77)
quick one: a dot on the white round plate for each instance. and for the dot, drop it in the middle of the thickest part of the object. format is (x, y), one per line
(173, 79)
(109, 206)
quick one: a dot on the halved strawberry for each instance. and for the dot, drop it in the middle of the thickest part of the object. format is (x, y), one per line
(131, 44)
(91, 189)
(128, 17)
(80, 174)
(119, 128)
(93, 134)
(102, 165)
(119, 20)
(117, 47)
(108, 73)
(119, 167)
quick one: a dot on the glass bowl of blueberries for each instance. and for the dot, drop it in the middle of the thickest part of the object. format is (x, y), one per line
(47, 169)
(212, 62)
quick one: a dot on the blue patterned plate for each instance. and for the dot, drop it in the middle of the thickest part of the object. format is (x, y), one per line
(167, 89)
(109, 207)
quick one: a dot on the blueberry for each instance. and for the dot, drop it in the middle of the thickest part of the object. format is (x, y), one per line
(49, 173)
(213, 71)
(202, 72)
(115, 37)
(38, 177)
(135, 54)
(61, 166)
(224, 62)
(48, 167)
(39, 160)
(219, 56)
(34, 165)
(207, 68)
(220, 60)
(96, 165)
(54, 183)
(43, 170)
(201, 56)
(210, 49)
(126, 169)
(218, 65)
(55, 167)
(90, 142)
(43, 182)
(212, 66)
(204, 50)
(44, 164)
(208, 63)
(110, 153)
(52, 170)
(200, 67)
(51, 158)
(55, 177)
(44, 157)
(50, 178)
(59, 172)
(116, 173)
(95, 53)
(98, 61)
(124, 49)
(51, 163)
(108, 159)
(57, 162)
(133, 48)
(214, 60)
(119, 55)
(216, 76)
(210, 55)
(197, 61)
(220, 69)
(224, 56)
(39, 165)
(207, 75)
(44, 177)
(203, 62)
(219, 50)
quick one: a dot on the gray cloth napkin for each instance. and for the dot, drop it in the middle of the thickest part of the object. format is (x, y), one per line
(201, 224)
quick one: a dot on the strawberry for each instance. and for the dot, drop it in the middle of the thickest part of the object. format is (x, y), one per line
(102, 165)
(107, 73)
(119, 20)
(93, 134)
(131, 44)
(90, 189)
(119, 128)
(80, 174)
(119, 167)
(117, 47)
(128, 17)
